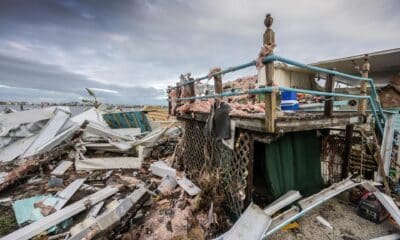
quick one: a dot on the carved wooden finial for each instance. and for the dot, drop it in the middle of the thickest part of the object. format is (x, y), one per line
(365, 67)
(268, 21)
(366, 57)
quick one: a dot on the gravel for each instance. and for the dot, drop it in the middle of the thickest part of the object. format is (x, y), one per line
(345, 221)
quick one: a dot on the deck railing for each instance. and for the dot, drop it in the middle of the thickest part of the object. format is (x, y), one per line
(270, 92)
(375, 106)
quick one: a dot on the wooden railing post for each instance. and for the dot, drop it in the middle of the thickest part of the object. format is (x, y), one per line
(270, 98)
(217, 85)
(362, 103)
(178, 95)
(329, 87)
(169, 100)
(192, 92)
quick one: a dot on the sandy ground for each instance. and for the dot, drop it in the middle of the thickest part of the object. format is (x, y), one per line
(345, 221)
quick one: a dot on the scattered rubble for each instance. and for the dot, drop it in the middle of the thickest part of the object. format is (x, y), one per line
(79, 178)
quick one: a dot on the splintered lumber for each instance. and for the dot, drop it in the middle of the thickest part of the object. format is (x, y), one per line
(308, 204)
(57, 217)
(61, 168)
(31, 164)
(91, 227)
(108, 163)
(68, 192)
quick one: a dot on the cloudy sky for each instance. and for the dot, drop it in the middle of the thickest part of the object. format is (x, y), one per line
(130, 51)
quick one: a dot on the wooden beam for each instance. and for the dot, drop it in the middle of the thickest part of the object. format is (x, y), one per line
(329, 87)
(347, 150)
(270, 111)
(362, 103)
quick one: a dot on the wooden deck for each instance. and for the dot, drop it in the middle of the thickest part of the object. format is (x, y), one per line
(289, 122)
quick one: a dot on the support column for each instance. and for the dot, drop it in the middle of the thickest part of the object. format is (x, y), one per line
(347, 150)
(329, 87)
(362, 103)
(270, 98)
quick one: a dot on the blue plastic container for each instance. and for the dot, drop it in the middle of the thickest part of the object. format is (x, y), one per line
(289, 105)
(288, 95)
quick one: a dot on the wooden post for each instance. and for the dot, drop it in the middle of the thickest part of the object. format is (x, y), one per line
(362, 103)
(178, 95)
(188, 89)
(270, 98)
(217, 86)
(347, 150)
(169, 100)
(191, 91)
(329, 87)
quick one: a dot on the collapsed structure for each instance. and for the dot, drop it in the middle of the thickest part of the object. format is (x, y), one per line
(253, 140)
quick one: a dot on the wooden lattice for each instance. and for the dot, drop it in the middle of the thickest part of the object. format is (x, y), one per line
(200, 153)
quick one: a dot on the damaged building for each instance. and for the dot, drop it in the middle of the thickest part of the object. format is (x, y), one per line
(297, 151)
(311, 130)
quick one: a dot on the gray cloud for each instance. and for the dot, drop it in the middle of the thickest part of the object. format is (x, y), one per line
(32, 81)
(146, 44)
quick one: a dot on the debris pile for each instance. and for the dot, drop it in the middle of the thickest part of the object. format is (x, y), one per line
(81, 177)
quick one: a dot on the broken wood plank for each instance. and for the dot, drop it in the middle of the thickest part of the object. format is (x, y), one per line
(90, 228)
(161, 169)
(31, 164)
(188, 186)
(68, 192)
(309, 203)
(61, 168)
(45, 223)
(108, 163)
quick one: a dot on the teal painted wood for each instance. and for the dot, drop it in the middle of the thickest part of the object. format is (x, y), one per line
(135, 119)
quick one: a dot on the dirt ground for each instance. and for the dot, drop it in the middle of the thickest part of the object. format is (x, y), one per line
(346, 224)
